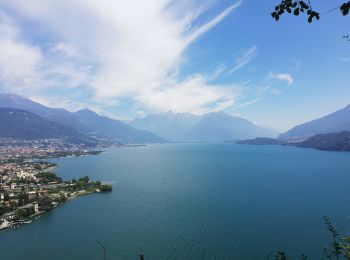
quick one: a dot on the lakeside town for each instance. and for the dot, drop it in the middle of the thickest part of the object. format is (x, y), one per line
(28, 187)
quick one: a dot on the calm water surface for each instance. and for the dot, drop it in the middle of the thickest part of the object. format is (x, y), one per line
(193, 201)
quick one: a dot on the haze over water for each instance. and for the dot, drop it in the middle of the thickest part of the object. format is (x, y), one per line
(187, 201)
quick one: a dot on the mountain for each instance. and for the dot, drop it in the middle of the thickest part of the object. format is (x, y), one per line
(335, 122)
(114, 129)
(58, 115)
(171, 126)
(85, 122)
(212, 127)
(330, 142)
(21, 124)
(216, 127)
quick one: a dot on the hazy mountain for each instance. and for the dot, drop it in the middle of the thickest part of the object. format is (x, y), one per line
(21, 124)
(335, 122)
(171, 126)
(220, 126)
(84, 121)
(209, 128)
(114, 129)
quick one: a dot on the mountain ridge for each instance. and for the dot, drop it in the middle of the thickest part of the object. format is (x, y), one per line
(210, 127)
(334, 122)
(121, 133)
(24, 125)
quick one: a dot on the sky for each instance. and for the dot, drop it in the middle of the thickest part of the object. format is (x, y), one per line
(126, 59)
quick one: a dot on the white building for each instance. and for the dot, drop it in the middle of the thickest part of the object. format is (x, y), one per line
(13, 186)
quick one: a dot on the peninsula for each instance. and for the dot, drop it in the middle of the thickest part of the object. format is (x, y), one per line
(29, 188)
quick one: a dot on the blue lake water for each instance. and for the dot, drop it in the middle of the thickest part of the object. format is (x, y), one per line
(194, 201)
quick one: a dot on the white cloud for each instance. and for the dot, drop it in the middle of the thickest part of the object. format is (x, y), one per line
(19, 62)
(117, 49)
(253, 101)
(246, 57)
(64, 48)
(191, 95)
(209, 25)
(282, 77)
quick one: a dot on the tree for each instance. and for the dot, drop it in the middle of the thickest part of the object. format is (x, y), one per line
(24, 213)
(84, 179)
(297, 7)
(339, 248)
(106, 188)
(45, 202)
(62, 198)
(23, 199)
(6, 196)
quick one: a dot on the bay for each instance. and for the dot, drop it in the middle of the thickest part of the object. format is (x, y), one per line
(194, 201)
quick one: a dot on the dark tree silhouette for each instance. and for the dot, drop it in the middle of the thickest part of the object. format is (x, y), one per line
(297, 7)
(103, 248)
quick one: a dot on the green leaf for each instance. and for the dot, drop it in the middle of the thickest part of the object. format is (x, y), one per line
(296, 11)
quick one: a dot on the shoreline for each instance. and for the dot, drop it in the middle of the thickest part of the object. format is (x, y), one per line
(58, 194)
(30, 219)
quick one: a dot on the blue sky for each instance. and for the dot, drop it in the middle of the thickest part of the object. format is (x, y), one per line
(127, 59)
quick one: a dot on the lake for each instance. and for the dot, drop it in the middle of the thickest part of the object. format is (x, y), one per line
(194, 201)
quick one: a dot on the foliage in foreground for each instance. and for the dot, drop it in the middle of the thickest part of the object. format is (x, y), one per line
(338, 249)
(297, 7)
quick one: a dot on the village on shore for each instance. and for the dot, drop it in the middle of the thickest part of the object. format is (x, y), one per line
(28, 187)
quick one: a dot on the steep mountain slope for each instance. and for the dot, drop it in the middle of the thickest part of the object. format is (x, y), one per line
(21, 124)
(58, 115)
(114, 129)
(335, 122)
(211, 127)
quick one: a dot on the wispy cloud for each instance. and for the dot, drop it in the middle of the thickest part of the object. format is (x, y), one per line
(209, 25)
(112, 49)
(246, 57)
(253, 101)
(297, 64)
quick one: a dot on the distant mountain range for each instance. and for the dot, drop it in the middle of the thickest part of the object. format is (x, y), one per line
(331, 133)
(171, 126)
(84, 122)
(31, 120)
(113, 129)
(336, 122)
(211, 127)
(21, 124)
